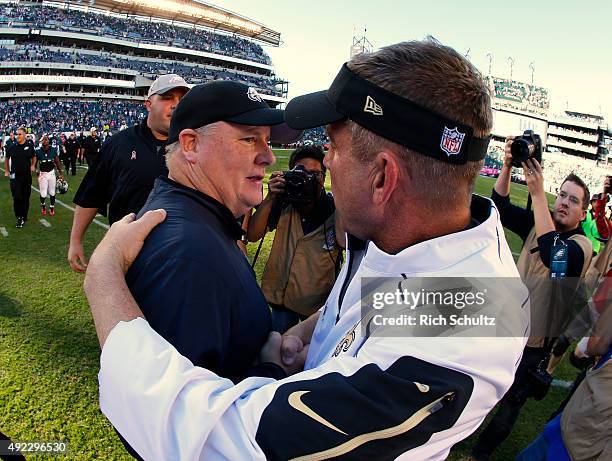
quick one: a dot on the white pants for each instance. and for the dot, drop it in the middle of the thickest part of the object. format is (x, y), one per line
(46, 183)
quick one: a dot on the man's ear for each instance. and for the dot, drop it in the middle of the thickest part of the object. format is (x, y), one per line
(385, 176)
(189, 141)
(147, 104)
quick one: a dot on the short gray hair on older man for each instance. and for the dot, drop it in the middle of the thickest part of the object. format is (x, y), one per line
(171, 148)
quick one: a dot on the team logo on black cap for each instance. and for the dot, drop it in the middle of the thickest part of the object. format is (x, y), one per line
(451, 141)
(372, 107)
(253, 95)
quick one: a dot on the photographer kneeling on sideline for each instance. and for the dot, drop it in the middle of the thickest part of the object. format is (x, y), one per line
(543, 233)
(305, 256)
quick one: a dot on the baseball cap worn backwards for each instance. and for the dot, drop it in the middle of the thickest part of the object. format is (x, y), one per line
(225, 101)
(388, 115)
(165, 83)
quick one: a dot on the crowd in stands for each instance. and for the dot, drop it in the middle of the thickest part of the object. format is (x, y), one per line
(592, 149)
(519, 95)
(63, 116)
(194, 74)
(315, 136)
(46, 17)
(572, 132)
(585, 117)
(556, 167)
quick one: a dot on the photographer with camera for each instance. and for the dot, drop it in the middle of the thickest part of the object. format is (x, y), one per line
(555, 246)
(305, 256)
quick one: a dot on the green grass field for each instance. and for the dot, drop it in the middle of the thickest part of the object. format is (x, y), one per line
(49, 352)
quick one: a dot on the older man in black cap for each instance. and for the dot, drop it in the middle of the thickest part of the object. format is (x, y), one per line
(128, 164)
(195, 286)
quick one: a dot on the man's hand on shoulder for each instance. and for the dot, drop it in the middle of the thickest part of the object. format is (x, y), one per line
(124, 240)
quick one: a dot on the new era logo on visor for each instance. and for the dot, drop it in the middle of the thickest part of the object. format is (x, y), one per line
(253, 95)
(372, 107)
(451, 141)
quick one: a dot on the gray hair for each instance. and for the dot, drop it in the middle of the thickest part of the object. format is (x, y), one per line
(171, 148)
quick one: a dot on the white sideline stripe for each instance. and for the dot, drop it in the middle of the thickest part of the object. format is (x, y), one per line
(83, 167)
(3, 232)
(44, 222)
(99, 223)
(514, 253)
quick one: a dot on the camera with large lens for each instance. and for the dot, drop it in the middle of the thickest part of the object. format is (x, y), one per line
(524, 147)
(300, 185)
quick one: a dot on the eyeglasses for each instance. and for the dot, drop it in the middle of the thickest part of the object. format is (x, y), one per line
(575, 200)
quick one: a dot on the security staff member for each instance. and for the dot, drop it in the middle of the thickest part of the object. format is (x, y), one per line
(22, 158)
(91, 147)
(72, 147)
(129, 163)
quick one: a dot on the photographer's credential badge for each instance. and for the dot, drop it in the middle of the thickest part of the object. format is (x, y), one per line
(451, 141)
(330, 240)
(558, 259)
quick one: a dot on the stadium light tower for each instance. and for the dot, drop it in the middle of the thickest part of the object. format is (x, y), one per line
(490, 57)
(360, 44)
(511, 61)
(532, 67)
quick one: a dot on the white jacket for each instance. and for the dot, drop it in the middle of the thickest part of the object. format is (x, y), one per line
(361, 396)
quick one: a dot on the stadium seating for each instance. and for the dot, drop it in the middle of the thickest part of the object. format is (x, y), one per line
(524, 96)
(42, 17)
(194, 74)
(63, 116)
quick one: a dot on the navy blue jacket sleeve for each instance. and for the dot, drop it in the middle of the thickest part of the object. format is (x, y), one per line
(515, 218)
(575, 255)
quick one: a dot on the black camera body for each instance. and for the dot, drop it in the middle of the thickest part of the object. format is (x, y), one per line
(526, 146)
(300, 186)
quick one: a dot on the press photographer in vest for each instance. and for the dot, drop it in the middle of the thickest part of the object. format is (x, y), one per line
(305, 255)
(555, 247)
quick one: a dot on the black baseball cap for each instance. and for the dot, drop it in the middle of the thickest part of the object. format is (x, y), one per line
(225, 101)
(389, 115)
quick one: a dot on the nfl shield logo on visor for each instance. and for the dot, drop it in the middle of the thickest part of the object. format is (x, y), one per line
(451, 141)
(253, 95)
